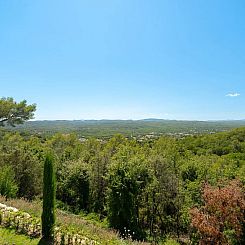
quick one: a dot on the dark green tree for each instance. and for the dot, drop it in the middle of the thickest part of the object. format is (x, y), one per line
(13, 113)
(49, 191)
(127, 179)
(73, 185)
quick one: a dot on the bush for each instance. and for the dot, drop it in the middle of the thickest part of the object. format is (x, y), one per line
(220, 220)
(8, 187)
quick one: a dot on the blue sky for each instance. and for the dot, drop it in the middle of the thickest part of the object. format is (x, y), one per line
(125, 59)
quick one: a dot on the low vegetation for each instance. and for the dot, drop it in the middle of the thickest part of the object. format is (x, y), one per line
(69, 224)
(9, 237)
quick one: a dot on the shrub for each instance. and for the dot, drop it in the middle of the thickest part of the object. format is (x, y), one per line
(8, 187)
(220, 220)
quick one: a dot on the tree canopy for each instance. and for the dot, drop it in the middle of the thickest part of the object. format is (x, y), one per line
(13, 113)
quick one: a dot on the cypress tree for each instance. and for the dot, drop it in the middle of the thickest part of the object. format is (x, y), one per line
(49, 192)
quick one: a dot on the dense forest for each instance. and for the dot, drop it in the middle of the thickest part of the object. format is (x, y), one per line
(189, 188)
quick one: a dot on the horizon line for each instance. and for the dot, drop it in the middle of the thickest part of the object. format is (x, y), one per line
(142, 119)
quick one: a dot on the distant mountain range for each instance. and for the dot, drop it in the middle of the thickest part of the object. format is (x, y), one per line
(135, 120)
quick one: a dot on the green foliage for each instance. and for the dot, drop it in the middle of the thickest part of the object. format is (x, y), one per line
(73, 186)
(9, 237)
(8, 186)
(25, 157)
(127, 178)
(13, 113)
(49, 190)
(171, 242)
(98, 169)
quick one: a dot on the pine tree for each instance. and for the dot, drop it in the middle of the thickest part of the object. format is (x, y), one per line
(49, 191)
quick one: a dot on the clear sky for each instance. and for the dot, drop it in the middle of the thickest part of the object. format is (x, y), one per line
(125, 59)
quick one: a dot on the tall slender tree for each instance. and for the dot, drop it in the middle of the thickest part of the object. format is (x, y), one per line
(49, 191)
